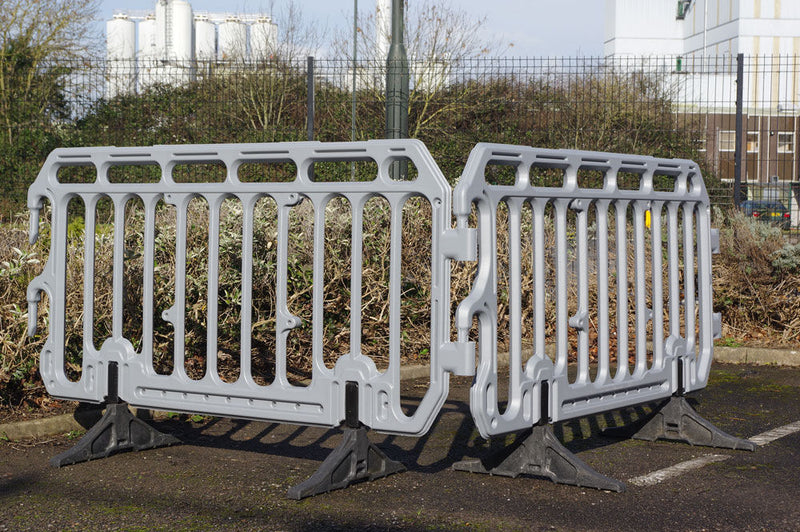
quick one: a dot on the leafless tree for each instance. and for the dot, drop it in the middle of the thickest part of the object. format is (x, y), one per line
(35, 35)
(297, 36)
(440, 38)
(263, 85)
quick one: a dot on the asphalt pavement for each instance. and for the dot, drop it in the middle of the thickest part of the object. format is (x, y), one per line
(230, 474)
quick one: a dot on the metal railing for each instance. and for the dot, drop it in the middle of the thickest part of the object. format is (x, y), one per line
(655, 106)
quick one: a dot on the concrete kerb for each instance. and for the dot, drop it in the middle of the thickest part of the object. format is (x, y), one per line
(48, 426)
(79, 420)
(757, 355)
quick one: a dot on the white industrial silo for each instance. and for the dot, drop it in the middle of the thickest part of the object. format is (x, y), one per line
(181, 43)
(121, 55)
(205, 39)
(148, 55)
(263, 38)
(383, 28)
(161, 16)
(383, 38)
(431, 74)
(232, 39)
(173, 40)
(182, 27)
(120, 38)
(148, 47)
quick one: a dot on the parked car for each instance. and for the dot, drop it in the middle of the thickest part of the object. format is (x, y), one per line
(768, 211)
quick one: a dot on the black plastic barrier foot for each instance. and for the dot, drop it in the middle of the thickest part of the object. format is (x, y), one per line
(355, 459)
(541, 454)
(117, 431)
(676, 420)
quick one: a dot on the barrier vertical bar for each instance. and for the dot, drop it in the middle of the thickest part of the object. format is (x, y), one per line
(674, 273)
(249, 202)
(148, 280)
(318, 289)
(539, 277)
(704, 297)
(118, 272)
(58, 319)
(212, 326)
(356, 264)
(621, 211)
(603, 311)
(514, 300)
(640, 289)
(562, 311)
(581, 320)
(178, 313)
(395, 283)
(89, 242)
(689, 294)
(282, 316)
(658, 284)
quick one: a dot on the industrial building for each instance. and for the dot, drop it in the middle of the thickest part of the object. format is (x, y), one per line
(695, 44)
(166, 45)
(694, 28)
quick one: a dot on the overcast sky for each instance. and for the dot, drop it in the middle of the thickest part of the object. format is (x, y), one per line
(535, 27)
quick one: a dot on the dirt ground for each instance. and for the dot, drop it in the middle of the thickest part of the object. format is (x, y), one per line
(231, 474)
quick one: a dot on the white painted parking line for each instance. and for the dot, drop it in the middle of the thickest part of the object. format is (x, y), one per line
(772, 435)
(764, 438)
(655, 477)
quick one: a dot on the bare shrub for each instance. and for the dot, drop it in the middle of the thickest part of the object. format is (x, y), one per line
(19, 264)
(755, 289)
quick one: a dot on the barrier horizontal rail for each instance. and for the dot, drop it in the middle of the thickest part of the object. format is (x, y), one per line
(554, 262)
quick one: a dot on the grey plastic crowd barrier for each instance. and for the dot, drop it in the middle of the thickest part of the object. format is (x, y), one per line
(670, 358)
(667, 263)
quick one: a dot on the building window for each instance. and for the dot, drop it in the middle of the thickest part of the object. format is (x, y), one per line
(700, 144)
(752, 142)
(727, 141)
(785, 142)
